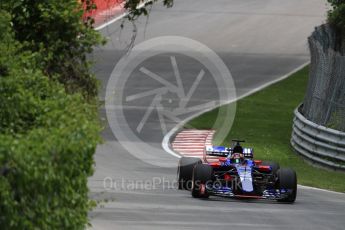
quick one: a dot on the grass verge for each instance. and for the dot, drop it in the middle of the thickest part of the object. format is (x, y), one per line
(264, 120)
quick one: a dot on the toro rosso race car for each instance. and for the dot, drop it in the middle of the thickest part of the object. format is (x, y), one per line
(232, 172)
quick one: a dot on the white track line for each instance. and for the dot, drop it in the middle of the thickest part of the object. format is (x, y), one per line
(119, 17)
(172, 132)
(167, 137)
(191, 146)
(111, 21)
(320, 189)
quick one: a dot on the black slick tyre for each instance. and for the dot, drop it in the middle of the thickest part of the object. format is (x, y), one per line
(287, 180)
(202, 174)
(185, 172)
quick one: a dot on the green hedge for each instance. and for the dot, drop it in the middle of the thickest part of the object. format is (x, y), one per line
(47, 142)
(336, 15)
(48, 112)
(54, 29)
(336, 18)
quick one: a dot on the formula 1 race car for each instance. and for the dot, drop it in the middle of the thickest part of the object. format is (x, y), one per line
(232, 172)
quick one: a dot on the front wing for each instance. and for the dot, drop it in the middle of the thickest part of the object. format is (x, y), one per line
(270, 194)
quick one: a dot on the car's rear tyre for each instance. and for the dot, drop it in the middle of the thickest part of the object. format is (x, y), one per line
(185, 172)
(274, 165)
(202, 174)
(287, 179)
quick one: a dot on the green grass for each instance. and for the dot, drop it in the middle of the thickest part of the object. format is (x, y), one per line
(264, 120)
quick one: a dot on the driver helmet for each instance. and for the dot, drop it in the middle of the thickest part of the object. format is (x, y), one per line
(237, 158)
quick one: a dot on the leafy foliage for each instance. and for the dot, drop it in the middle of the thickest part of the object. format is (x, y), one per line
(48, 112)
(47, 142)
(336, 18)
(135, 12)
(54, 30)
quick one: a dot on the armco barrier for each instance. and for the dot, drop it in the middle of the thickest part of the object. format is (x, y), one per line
(318, 144)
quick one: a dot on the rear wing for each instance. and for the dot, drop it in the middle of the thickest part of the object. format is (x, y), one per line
(248, 153)
(214, 152)
(217, 151)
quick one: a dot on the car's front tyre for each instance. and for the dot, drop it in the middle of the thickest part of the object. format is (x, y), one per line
(185, 172)
(202, 174)
(287, 180)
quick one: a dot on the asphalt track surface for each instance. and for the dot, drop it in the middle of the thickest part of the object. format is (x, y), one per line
(259, 41)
